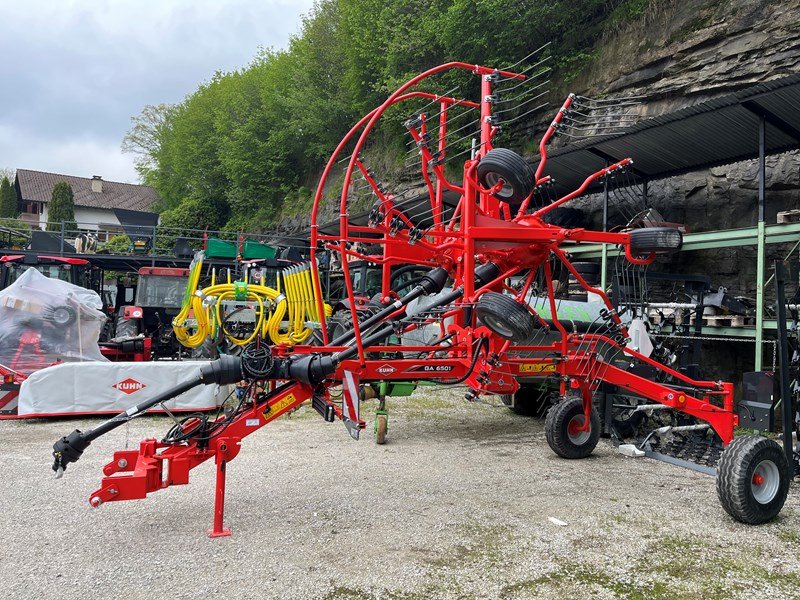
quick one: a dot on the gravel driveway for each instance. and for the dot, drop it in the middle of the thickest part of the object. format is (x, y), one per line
(456, 505)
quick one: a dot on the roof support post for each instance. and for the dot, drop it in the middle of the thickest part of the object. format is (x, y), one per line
(604, 250)
(761, 249)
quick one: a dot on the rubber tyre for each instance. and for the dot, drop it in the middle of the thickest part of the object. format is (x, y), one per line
(64, 316)
(660, 240)
(735, 479)
(506, 317)
(528, 401)
(518, 175)
(381, 427)
(556, 429)
(339, 324)
(566, 217)
(587, 268)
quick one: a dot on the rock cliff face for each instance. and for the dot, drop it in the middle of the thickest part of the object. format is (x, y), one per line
(683, 53)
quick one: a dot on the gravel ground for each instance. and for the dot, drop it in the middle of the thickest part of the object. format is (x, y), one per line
(456, 505)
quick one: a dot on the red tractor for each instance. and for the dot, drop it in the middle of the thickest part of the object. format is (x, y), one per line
(144, 330)
(489, 261)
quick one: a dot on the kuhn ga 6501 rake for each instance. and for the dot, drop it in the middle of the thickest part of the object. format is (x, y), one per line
(490, 251)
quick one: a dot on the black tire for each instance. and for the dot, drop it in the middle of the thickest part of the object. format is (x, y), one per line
(518, 176)
(752, 479)
(528, 401)
(566, 217)
(63, 316)
(557, 429)
(506, 317)
(661, 240)
(381, 428)
(587, 268)
(339, 324)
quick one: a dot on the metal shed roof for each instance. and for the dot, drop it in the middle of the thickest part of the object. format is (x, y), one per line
(716, 132)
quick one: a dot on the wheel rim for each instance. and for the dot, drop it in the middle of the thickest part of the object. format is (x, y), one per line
(498, 326)
(492, 179)
(765, 481)
(61, 315)
(575, 435)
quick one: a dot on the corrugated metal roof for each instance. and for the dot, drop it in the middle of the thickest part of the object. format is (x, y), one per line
(713, 133)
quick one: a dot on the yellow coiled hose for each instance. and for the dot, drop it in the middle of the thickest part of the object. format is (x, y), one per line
(297, 304)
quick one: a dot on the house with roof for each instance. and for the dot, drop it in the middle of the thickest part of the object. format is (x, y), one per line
(105, 207)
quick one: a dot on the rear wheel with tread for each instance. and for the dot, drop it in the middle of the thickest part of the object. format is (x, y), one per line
(562, 426)
(752, 479)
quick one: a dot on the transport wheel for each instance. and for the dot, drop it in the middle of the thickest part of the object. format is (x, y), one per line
(561, 429)
(506, 317)
(655, 239)
(752, 479)
(517, 175)
(381, 427)
(528, 400)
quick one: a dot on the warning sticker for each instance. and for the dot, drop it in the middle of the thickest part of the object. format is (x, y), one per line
(275, 409)
(537, 368)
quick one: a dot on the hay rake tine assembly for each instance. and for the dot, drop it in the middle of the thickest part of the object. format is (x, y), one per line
(486, 330)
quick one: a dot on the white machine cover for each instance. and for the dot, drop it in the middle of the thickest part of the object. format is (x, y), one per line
(43, 321)
(112, 387)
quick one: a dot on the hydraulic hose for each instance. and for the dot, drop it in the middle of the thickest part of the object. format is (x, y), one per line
(297, 304)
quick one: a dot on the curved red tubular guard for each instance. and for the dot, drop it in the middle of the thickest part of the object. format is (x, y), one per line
(548, 134)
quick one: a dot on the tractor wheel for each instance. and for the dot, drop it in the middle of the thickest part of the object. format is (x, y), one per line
(752, 479)
(339, 324)
(517, 175)
(506, 317)
(561, 425)
(381, 427)
(528, 401)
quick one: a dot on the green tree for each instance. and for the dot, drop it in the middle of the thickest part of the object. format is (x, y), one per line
(118, 244)
(244, 142)
(8, 200)
(61, 208)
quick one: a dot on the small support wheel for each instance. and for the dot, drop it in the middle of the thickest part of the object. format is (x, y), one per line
(562, 429)
(381, 427)
(506, 317)
(752, 479)
(502, 164)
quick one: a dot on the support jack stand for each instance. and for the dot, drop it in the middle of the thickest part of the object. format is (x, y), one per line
(226, 449)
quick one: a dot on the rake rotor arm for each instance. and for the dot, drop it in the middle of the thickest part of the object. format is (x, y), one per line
(721, 418)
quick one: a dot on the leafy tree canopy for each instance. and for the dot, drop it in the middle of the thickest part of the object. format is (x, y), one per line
(61, 208)
(8, 199)
(245, 140)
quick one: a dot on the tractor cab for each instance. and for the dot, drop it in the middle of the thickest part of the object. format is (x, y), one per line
(158, 299)
(71, 270)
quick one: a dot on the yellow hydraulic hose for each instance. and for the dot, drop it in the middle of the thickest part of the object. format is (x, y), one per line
(297, 304)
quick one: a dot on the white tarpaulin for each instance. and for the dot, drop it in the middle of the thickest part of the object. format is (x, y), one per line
(98, 388)
(44, 321)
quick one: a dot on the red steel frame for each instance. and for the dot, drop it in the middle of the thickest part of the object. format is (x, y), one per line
(481, 229)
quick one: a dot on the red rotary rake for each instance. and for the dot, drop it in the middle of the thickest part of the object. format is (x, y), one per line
(472, 319)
